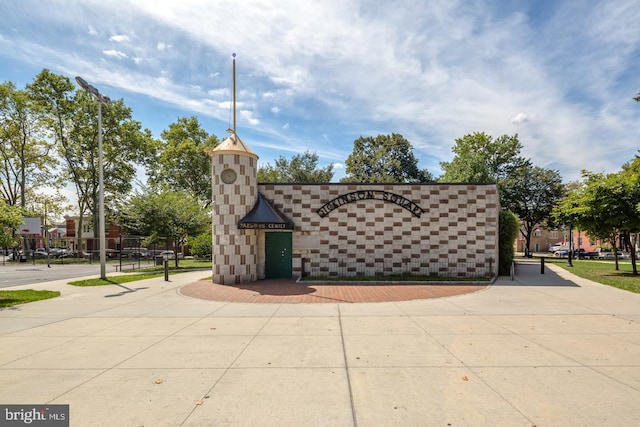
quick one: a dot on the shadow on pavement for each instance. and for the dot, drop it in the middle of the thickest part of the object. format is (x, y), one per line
(529, 273)
(125, 292)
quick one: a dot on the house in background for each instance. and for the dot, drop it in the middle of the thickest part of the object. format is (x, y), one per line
(83, 240)
(542, 239)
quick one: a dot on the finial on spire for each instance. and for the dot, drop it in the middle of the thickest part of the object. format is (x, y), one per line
(234, 93)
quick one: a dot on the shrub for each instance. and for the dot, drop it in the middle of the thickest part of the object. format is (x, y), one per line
(509, 228)
(200, 244)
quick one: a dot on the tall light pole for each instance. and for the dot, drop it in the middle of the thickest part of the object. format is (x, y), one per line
(569, 263)
(102, 99)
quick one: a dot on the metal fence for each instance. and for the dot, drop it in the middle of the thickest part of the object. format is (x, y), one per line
(355, 267)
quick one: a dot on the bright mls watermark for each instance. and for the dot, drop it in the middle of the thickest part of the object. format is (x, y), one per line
(34, 415)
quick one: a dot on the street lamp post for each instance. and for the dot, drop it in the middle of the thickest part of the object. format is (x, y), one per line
(102, 99)
(569, 263)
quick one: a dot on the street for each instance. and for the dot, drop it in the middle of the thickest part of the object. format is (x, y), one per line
(12, 274)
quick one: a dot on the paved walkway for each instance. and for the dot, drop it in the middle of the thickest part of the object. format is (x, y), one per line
(543, 350)
(290, 291)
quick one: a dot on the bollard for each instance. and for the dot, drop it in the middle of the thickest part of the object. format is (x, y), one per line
(542, 265)
(166, 270)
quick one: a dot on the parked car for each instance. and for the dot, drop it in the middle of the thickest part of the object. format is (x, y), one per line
(40, 253)
(557, 247)
(611, 255)
(67, 253)
(95, 254)
(577, 254)
(54, 252)
(111, 253)
(14, 255)
(170, 255)
(135, 253)
(584, 254)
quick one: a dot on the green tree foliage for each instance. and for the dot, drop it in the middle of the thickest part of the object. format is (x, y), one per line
(302, 168)
(179, 160)
(171, 216)
(479, 158)
(26, 163)
(11, 217)
(508, 224)
(384, 159)
(201, 244)
(605, 206)
(531, 193)
(72, 119)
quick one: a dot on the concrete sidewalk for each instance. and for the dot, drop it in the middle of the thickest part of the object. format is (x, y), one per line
(543, 350)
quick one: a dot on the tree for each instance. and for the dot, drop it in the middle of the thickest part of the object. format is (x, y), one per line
(605, 207)
(26, 163)
(630, 176)
(302, 168)
(11, 217)
(384, 159)
(71, 118)
(481, 159)
(531, 193)
(179, 160)
(169, 215)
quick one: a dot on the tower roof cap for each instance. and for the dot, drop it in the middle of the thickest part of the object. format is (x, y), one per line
(233, 145)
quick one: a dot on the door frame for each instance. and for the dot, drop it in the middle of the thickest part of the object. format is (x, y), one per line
(282, 259)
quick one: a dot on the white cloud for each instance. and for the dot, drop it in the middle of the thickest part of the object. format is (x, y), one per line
(248, 116)
(430, 71)
(119, 38)
(114, 53)
(519, 118)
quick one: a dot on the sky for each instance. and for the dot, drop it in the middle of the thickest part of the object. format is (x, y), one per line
(317, 75)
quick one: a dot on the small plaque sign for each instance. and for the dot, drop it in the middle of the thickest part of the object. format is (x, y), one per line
(34, 415)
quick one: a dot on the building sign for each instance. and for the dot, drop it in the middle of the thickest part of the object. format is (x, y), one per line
(265, 216)
(358, 196)
(30, 226)
(264, 226)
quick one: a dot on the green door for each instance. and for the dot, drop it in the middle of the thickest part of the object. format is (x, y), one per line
(278, 255)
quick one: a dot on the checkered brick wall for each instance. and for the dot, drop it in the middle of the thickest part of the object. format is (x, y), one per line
(457, 226)
(234, 251)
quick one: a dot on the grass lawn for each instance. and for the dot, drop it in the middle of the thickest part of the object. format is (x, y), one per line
(116, 280)
(183, 264)
(145, 272)
(603, 272)
(10, 298)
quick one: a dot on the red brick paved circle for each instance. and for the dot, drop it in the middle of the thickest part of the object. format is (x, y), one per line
(289, 291)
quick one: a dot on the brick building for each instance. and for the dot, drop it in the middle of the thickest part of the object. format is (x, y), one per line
(293, 230)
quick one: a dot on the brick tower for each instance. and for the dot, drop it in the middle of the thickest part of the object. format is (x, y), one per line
(234, 193)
